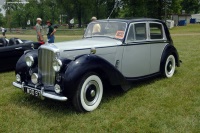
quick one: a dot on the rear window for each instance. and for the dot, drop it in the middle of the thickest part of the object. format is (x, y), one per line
(156, 31)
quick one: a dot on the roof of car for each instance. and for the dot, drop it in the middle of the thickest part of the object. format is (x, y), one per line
(131, 20)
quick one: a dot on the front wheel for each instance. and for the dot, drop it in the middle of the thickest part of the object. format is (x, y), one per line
(89, 93)
(170, 65)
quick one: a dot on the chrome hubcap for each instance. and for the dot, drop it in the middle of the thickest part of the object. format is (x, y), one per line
(91, 93)
(169, 66)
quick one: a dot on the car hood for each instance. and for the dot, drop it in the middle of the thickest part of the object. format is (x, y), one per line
(87, 43)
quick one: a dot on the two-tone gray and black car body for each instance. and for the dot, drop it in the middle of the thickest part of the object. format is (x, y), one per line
(115, 52)
(12, 49)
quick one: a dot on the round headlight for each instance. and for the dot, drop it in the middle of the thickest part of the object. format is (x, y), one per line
(34, 78)
(18, 78)
(57, 88)
(57, 64)
(29, 61)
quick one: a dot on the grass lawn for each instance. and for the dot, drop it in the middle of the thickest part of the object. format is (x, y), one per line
(156, 105)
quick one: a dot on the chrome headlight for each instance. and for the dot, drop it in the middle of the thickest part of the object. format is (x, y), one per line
(29, 61)
(18, 78)
(57, 88)
(34, 78)
(57, 64)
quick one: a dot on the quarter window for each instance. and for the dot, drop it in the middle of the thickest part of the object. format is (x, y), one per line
(156, 31)
(130, 37)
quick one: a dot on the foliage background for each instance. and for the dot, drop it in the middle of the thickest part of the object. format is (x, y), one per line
(17, 15)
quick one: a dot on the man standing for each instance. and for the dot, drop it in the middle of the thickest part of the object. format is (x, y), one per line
(50, 32)
(38, 28)
(96, 27)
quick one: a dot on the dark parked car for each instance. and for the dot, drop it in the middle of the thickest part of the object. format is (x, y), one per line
(11, 50)
(114, 51)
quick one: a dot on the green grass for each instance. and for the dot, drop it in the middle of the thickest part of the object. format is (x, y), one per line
(189, 29)
(156, 105)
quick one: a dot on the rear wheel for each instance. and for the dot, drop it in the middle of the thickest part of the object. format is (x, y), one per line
(170, 66)
(89, 93)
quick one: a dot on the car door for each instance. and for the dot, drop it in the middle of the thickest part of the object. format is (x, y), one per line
(9, 55)
(158, 41)
(136, 54)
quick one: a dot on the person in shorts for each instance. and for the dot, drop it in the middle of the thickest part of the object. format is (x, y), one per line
(38, 29)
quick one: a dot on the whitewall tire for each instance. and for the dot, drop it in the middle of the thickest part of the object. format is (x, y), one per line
(170, 66)
(89, 93)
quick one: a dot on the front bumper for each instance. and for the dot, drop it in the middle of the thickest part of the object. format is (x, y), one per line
(43, 94)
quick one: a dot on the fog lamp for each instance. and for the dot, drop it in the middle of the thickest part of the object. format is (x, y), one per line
(57, 88)
(34, 78)
(18, 78)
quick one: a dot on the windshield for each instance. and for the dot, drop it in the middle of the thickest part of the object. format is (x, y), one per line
(106, 29)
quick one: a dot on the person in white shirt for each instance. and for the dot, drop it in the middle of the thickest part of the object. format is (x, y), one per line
(3, 31)
(96, 27)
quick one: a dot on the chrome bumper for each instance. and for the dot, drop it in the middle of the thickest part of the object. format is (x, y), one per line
(43, 93)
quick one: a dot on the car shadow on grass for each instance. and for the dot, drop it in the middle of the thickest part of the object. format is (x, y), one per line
(58, 108)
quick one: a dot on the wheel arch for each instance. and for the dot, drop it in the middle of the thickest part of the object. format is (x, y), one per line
(90, 63)
(169, 49)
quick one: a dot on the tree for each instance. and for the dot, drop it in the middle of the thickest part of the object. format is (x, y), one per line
(191, 6)
(2, 20)
(82, 10)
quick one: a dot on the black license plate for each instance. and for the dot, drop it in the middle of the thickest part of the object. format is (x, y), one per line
(31, 91)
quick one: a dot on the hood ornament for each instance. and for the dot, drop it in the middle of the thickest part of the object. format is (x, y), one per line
(92, 50)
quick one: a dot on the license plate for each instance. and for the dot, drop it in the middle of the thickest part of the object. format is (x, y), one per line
(31, 91)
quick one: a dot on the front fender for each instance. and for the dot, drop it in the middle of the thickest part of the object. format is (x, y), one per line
(90, 63)
(21, 66)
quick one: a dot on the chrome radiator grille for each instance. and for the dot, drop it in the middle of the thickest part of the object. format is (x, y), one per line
(45, 59)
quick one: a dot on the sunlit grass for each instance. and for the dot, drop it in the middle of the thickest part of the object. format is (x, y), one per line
(189, 29)
(156, 105)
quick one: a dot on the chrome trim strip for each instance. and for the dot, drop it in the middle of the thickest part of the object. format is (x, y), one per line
(47, 95)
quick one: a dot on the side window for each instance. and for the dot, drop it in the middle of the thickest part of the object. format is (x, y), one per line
(130, 37)
(140, 31)
(156, 31)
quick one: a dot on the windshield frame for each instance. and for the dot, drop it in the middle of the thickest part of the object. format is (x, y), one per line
(105, 21)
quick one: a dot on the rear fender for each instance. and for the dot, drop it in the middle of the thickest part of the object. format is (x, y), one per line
(169, 49)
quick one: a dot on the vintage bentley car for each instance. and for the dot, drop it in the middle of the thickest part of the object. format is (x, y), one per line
(11, 50)
(117, 52)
